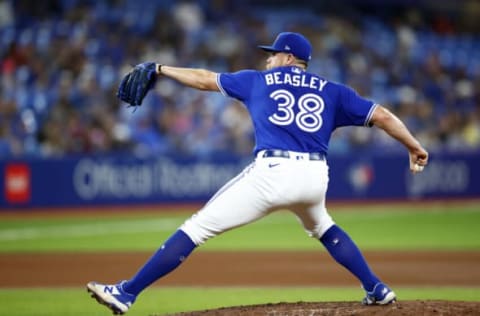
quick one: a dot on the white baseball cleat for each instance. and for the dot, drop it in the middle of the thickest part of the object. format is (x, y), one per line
(380, 295)
(111, 295)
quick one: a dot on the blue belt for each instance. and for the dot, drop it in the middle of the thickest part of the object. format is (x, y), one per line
(286, 154)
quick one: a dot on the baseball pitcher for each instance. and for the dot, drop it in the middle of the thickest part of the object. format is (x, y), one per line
(294, 113)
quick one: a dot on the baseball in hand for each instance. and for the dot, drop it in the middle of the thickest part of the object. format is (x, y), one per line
(417, 167)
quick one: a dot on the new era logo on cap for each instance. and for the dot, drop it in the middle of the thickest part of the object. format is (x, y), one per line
(289, 42)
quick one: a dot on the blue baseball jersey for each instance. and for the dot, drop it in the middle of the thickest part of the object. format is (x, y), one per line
(295, 110)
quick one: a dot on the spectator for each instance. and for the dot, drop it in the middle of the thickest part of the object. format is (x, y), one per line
(61, 63)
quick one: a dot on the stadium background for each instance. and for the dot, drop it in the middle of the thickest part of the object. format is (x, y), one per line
(61, 62)
(89, 189)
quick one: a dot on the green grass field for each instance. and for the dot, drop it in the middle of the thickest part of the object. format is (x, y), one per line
(402, 227)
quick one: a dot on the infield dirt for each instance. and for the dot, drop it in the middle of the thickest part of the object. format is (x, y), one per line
(407, 308)
(205, 268)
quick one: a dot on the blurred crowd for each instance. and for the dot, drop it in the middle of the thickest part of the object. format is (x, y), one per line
(61, 62)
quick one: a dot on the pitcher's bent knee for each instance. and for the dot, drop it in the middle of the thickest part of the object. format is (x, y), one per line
(198, 233)
(320, 229)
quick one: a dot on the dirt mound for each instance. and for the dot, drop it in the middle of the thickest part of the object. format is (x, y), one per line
(404, 308)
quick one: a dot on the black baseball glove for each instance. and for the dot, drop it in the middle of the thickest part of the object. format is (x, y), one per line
(137, 83)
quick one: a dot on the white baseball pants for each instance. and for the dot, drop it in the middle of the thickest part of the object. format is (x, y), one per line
(266, 185)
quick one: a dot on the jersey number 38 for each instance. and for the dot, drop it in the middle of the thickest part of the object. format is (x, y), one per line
(310, 107)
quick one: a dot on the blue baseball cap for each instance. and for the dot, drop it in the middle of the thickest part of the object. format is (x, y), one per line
(292, 43)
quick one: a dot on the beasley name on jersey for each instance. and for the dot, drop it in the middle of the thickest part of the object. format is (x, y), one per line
(297, 79)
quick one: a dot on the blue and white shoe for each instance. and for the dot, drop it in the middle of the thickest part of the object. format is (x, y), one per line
(111, 295)
(380, 295)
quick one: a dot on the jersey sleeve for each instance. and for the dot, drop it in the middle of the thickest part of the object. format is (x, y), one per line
(238, 85)
(353, 109)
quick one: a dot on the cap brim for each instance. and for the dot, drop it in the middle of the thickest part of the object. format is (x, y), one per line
(268, 48)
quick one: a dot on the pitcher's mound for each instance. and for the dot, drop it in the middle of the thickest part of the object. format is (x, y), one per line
(403, 308)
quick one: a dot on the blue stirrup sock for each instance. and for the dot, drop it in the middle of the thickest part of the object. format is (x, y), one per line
(173, 252)
(342, 248)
